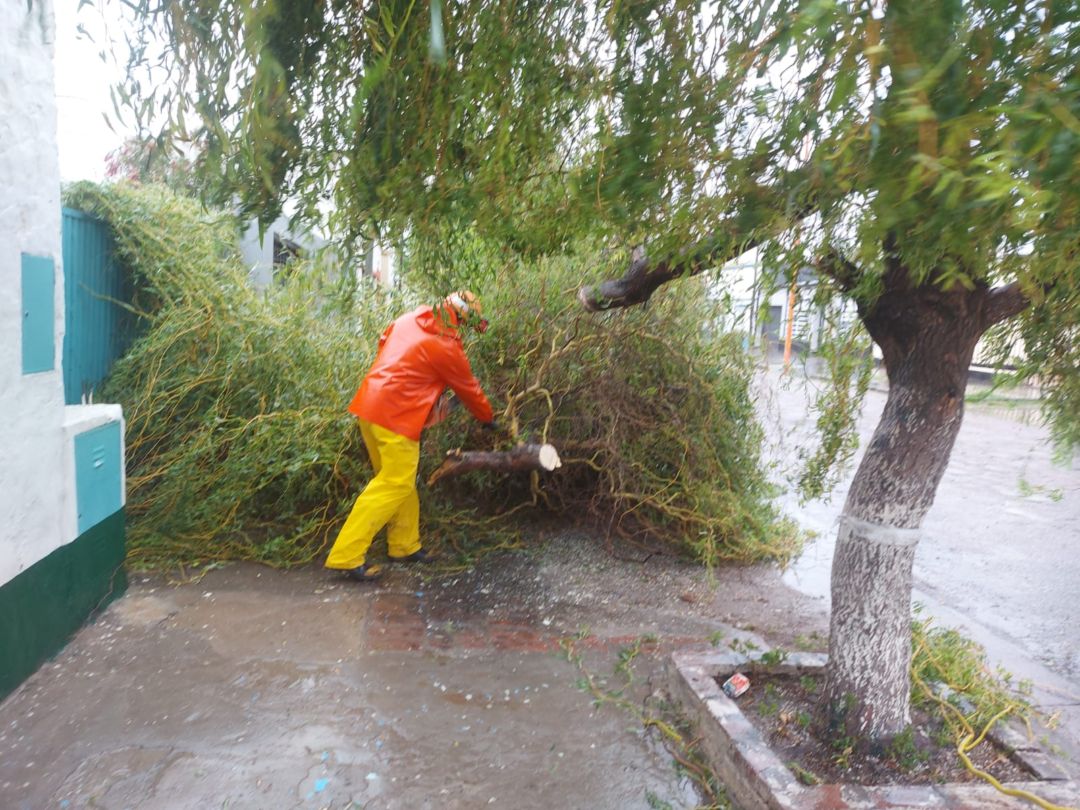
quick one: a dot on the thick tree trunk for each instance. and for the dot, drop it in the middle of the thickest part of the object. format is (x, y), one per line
(927, 338)
(523, 458)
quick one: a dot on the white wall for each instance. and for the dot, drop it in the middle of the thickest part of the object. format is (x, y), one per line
(734, 285)
(383, 264)
(37, 492)
(739, 283)
(32, 406)
(258, 254)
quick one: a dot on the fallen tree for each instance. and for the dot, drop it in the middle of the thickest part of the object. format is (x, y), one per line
(523, 458)
(240, 445)
(652, 415)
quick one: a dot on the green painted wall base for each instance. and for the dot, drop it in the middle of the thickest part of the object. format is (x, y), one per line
(44, 605)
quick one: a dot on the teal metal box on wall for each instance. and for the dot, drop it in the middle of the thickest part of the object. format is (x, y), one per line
(38, 328)
(98, 474)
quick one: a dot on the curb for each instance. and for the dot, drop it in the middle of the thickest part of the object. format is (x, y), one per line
(755, 777)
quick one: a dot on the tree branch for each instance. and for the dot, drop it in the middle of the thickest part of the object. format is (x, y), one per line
(762, 212)
(840, 269)
(1003, 303)
(638, 285)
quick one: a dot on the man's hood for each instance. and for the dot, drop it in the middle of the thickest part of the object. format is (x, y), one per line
(438, 322)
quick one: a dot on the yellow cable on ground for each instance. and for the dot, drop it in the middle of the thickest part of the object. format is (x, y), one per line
(962, 750)
(969, 742)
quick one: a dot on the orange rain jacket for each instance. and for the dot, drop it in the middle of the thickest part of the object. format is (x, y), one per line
(419, 356)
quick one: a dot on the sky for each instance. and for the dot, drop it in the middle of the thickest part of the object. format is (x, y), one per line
(82, 90)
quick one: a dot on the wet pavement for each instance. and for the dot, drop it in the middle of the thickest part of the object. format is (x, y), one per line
(254, 688)
(999, 557)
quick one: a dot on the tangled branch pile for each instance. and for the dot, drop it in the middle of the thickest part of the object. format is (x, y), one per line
(239, 445)
(649, 409)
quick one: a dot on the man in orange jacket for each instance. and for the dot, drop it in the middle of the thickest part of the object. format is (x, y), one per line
(420, 355)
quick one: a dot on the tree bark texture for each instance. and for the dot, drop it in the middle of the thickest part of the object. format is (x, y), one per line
(927, 337)
(523, 458)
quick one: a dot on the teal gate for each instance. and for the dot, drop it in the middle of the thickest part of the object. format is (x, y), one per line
(97, 327)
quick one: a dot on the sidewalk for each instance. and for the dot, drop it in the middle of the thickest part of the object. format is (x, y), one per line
(261, 689)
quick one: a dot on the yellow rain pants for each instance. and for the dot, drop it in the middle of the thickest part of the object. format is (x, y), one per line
(389, 498)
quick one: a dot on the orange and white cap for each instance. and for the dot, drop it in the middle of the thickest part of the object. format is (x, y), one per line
(468, 309)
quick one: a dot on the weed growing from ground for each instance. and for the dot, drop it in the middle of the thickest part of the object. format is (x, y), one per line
(904, 752)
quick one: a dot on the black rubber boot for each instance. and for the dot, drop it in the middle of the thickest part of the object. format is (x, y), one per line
(364, 573)
(419, 556)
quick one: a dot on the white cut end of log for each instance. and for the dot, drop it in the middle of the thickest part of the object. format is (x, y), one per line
(549, 457)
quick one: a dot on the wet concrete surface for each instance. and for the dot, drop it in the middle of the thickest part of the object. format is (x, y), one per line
(999, 557)
(254, 688)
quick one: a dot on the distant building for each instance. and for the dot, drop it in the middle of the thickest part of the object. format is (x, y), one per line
(268, 256)
(381, 265)
(751, 307)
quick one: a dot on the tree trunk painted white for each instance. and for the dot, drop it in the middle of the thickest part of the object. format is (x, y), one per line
(870, 638)
(927, 338)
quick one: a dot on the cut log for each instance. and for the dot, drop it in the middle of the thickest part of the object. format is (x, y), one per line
(523, 458)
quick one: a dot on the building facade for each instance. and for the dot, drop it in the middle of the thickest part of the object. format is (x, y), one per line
(752, 303)
(62, 480)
